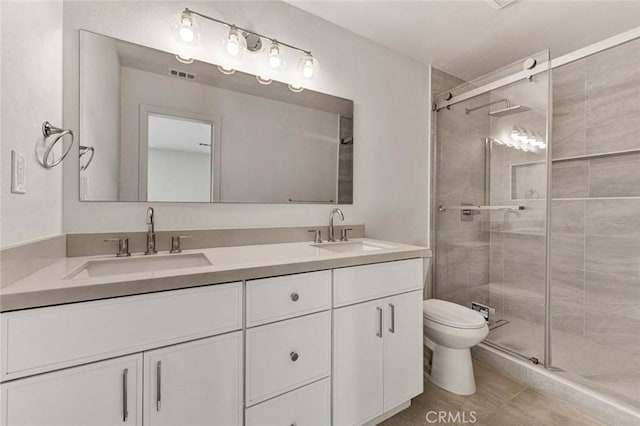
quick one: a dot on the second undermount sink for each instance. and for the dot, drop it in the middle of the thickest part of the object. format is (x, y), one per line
(353, 246)
(129, 265)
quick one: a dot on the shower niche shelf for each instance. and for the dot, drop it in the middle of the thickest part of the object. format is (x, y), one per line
(597, 155)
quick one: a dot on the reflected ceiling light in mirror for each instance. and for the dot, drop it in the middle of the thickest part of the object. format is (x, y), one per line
(184, 60)
(275, 60)
(234, 43)
(296, 89)
(226, 71)
(263, 80)
(186, 29)
(308, 66)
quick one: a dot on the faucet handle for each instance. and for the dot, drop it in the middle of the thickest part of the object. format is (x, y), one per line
(175, 243)
(123, 246)
(318, 235)
(343, 234)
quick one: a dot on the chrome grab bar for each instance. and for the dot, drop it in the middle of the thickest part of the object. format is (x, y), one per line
(443, 208)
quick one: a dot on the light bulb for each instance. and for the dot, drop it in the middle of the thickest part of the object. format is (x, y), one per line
(234, 43)
(274, 57)
(186, 30)
(308, 66)
(186, 34)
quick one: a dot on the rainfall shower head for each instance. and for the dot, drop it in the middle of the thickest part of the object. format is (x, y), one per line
(507, 110)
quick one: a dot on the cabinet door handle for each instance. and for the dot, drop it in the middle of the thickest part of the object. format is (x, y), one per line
(158, 385)
(125, 408)
(393, 318)
(379, 333)
(294, 356)
(295, 296)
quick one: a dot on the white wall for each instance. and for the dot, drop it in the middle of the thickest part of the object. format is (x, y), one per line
(270, 151)
(178, 175)
(390, 131)
(100, 116)
(31, 93)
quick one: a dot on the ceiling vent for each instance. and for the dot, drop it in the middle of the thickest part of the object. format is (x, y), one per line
(499, 4)
(181, 74)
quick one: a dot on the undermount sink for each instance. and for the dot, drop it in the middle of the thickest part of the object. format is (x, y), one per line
(129, 265)
(352, 246)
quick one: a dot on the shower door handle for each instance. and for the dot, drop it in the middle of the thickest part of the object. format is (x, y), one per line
(471, 208)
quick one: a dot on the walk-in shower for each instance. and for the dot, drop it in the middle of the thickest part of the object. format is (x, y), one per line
(536, 195)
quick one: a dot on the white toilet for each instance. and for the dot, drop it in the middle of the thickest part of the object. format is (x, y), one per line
(450, 330)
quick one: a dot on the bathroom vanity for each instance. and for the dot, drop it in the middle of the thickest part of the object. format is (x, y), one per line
(296, 333)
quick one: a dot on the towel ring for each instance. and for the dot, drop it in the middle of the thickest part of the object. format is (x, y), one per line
(48, 130)
(83, 151)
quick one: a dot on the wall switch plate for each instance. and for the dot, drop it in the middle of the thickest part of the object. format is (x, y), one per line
(18, 173)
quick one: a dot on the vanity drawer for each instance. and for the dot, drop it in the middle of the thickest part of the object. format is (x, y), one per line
(360, 283)
(309, 405)
(278, 298)
(45, 339)
(287, 355)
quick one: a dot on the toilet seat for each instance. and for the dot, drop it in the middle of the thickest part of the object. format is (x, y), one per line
(452, 315)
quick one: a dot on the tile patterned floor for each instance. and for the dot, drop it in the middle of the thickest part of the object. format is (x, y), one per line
(498, 401)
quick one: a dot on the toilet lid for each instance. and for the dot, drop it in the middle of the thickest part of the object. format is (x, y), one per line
(452, 314)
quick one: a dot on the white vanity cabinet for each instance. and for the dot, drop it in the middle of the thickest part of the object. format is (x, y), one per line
(103, 393)
(377, 344)
(288, 356)
(201, 381)
(194, 383)
(335, 347)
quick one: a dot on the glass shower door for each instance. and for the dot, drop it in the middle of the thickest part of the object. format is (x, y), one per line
(491, 200)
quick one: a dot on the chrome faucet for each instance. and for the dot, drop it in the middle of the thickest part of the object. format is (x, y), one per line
(332, 237)
(151, 234)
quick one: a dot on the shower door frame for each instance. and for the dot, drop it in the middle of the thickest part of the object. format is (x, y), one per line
(438, 105)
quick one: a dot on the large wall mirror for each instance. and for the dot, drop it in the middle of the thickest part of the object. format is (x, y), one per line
(153, 128)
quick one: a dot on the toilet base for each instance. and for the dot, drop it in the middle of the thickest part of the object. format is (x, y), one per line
(451, 369)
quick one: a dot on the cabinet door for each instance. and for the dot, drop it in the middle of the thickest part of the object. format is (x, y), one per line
(195, 383)
(103, 393)
(403, 378)
(357, 363)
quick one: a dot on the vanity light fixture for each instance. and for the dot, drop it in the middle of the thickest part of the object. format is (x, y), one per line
(308, 67)
(186, 29)
(235, 43)
(274, 57)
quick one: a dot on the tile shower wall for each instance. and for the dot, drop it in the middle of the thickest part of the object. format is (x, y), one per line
(596, 203)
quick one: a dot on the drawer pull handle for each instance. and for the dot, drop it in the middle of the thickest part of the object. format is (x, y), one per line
(379, 333)
(158, 385)
(393, 318)
(295, 296)
(125, 409)
(294, 356)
